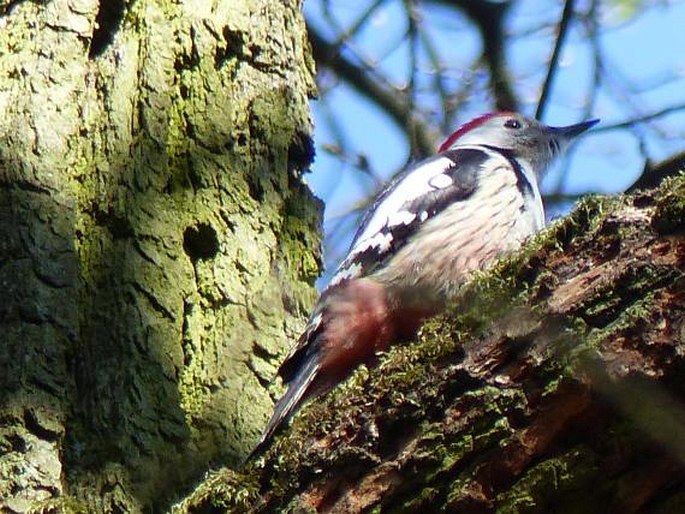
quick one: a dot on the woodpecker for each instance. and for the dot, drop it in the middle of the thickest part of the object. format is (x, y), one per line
(436, 222)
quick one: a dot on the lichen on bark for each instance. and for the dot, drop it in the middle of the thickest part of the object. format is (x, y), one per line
(159, 247)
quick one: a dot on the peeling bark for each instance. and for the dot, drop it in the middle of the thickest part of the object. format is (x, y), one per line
(553, 384)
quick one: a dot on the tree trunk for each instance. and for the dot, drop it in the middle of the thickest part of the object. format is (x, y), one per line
(157, 245)
(553, 384)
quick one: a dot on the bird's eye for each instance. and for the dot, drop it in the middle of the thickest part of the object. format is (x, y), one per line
(512, 123)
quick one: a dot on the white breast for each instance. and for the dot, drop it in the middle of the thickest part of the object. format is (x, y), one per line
(466, 236)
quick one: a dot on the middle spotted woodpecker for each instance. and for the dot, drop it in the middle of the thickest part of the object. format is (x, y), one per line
(436, 222)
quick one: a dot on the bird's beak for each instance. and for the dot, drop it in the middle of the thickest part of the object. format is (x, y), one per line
(572, 131)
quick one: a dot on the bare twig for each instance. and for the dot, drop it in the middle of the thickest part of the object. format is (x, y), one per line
(489, 19)
(641, 118)
(348, 33)
(413, 37)
(438, 78)
(653, 174)
(564, 25)
(394, 101)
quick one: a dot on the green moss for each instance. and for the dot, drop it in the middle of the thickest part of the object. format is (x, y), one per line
(423, 501)
(669, 215)
(561, 344)
(221, 491)
(549, 480)
(61, 505)
(631, 315)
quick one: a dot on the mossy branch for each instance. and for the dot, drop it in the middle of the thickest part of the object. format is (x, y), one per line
(554, 383)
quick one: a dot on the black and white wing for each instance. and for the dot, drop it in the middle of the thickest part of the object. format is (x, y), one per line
(415, 196)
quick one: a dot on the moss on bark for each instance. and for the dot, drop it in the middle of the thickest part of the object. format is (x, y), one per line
(158, 247)
(551, 385)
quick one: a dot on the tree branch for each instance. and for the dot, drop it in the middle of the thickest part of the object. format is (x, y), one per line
(564, 24)
(489, 18)
(559, 371)
(394, 102)
(654, 174)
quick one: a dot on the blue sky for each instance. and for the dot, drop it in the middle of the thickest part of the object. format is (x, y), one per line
(643, 53)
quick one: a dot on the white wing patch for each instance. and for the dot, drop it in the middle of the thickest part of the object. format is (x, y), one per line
(400, 218)
(441, 181)
(345, 273)
(391, 214)
(349, 269)
(422, 180)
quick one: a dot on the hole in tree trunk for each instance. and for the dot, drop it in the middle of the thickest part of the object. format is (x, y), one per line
(108, 21)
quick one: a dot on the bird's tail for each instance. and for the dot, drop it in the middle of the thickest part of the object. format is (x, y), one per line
(299, 389)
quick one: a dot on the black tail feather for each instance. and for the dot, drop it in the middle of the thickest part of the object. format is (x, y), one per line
(299, 389)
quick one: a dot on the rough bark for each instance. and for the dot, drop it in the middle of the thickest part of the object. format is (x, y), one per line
(157, 245)
(554, 384)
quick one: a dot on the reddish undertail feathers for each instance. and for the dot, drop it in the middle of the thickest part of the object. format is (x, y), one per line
(351, 325)
(439, 220)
